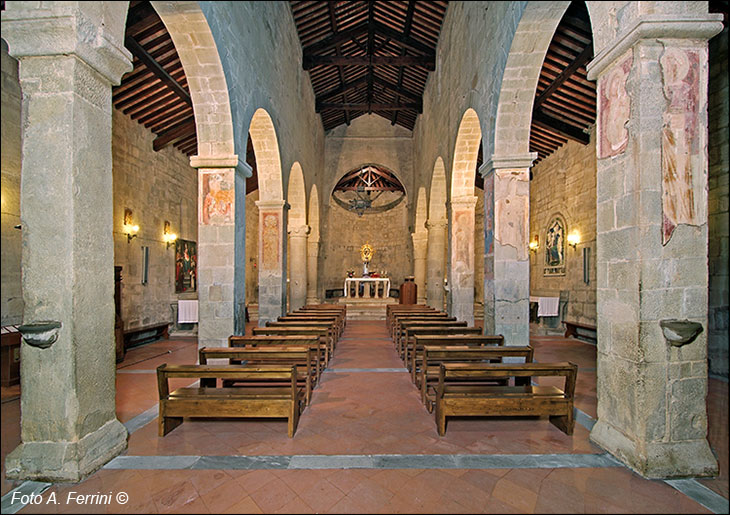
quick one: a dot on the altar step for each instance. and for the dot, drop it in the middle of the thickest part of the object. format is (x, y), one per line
(366, 309)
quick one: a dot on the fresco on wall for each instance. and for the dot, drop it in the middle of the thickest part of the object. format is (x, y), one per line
(269, 241)
(512, 210)
(217, 195)
(614, 108)
(186, 258)
(555, 247)
(680, 141)
(463, 238)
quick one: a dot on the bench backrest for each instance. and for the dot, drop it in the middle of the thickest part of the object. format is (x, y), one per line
(490, 372)
(255, 373)
(463, 338)
(290, 329)
(433, 354)
(294, 339)
(276, 353)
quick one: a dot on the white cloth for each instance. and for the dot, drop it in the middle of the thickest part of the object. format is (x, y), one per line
(187, 311)
(548, 306)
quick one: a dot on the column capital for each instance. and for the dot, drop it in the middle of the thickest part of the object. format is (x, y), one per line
(653, 26)
(437, 224)
(518, 162)
(224, 161)
(300, 231)
(467, 201)
(271, 204)
(69, 28)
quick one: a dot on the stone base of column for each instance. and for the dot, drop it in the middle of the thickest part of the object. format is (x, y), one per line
(67, 461)
(659, 460)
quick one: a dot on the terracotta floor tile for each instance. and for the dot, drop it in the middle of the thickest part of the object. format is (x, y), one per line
(253, 480)
(246, 505)
(296, 505)
(274, 496)
(321, 496)
(223, 496)
(176, 496)
(515, 495)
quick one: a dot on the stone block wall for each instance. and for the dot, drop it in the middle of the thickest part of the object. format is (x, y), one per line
(565, 183)
(718, 206)
(12, 297)
(156, 186)
(252, 248)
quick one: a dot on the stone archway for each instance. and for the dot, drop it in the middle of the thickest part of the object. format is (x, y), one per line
(272, 218)
(463, 202)
(420, 242)
(437, 224)
(313, 247)
(644, 413)
(298, 230)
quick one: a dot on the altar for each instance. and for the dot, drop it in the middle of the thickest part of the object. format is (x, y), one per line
(367, 288)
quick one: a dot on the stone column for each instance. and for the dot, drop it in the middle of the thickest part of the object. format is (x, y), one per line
(651, 244)
(420, 245)
(436, 253)
(506, 247)
(68, 425)
(312, 263)
(272, 258)
(221, 248)
(461, 272)
(298, 266)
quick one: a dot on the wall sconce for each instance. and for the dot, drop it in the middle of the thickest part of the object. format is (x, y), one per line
(535, 244)
(573, 239)
(129, 228)
(167, 236)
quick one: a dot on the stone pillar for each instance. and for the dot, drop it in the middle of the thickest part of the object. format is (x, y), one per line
(652, 244)
(436, 253)
(506, 247)
(221, 248)
(420, 245)
(461, 272)
(298, 266)
(68, 424)
(312, 263)
(272, 276)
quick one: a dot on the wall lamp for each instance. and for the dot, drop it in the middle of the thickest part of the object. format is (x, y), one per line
(129, 228)
(535, 244)
(573, 239)
(167, 236)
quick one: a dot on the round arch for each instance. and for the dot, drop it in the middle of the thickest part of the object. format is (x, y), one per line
(463, 172)
(201, 61)
(313, 213)
(297, 197)
(437, 202)
(268, 163)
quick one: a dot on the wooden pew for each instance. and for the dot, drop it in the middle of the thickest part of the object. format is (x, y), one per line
(409, 310)
(399, 320)
(332, 335)
(487, 399)
(339, 309)
(435, 355)
(332, 318)
(298, 330)
(470, 340)
(301, 357)
(459, 331)
(406, 339)
(250, 401)
(314, 342)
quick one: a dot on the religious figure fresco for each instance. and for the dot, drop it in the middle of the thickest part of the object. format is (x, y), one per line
(218, 196)
(555, 247)
(680, 71)
(615, 110)
(270, 241)
(464, 251)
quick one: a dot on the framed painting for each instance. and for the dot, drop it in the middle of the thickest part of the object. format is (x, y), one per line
(555, 247)
(186, 270)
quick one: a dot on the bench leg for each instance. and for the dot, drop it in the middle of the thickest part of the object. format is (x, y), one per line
(440, 419)
(565, 423)
(167, 424)
(293, 420)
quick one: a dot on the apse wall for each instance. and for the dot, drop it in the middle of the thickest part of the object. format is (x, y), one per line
(368, 139)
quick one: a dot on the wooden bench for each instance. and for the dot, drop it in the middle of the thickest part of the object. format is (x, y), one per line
(435, 355)
(399, 320)
(315, 344)
(149, 333)
(324, 333)
(392, 310)
(571, 329)
(301, 357)
(336, 320)
(392, 315)
(486, 399)
(447, 338)
(406, 339)
(258, 401)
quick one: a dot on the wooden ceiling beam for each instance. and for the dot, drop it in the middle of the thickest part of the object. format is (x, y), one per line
(175, 132)
(551, 123)
(158, 70)
(404, 41)
(582, 59)
(428, 62)
(332, 41)
(409, 106)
